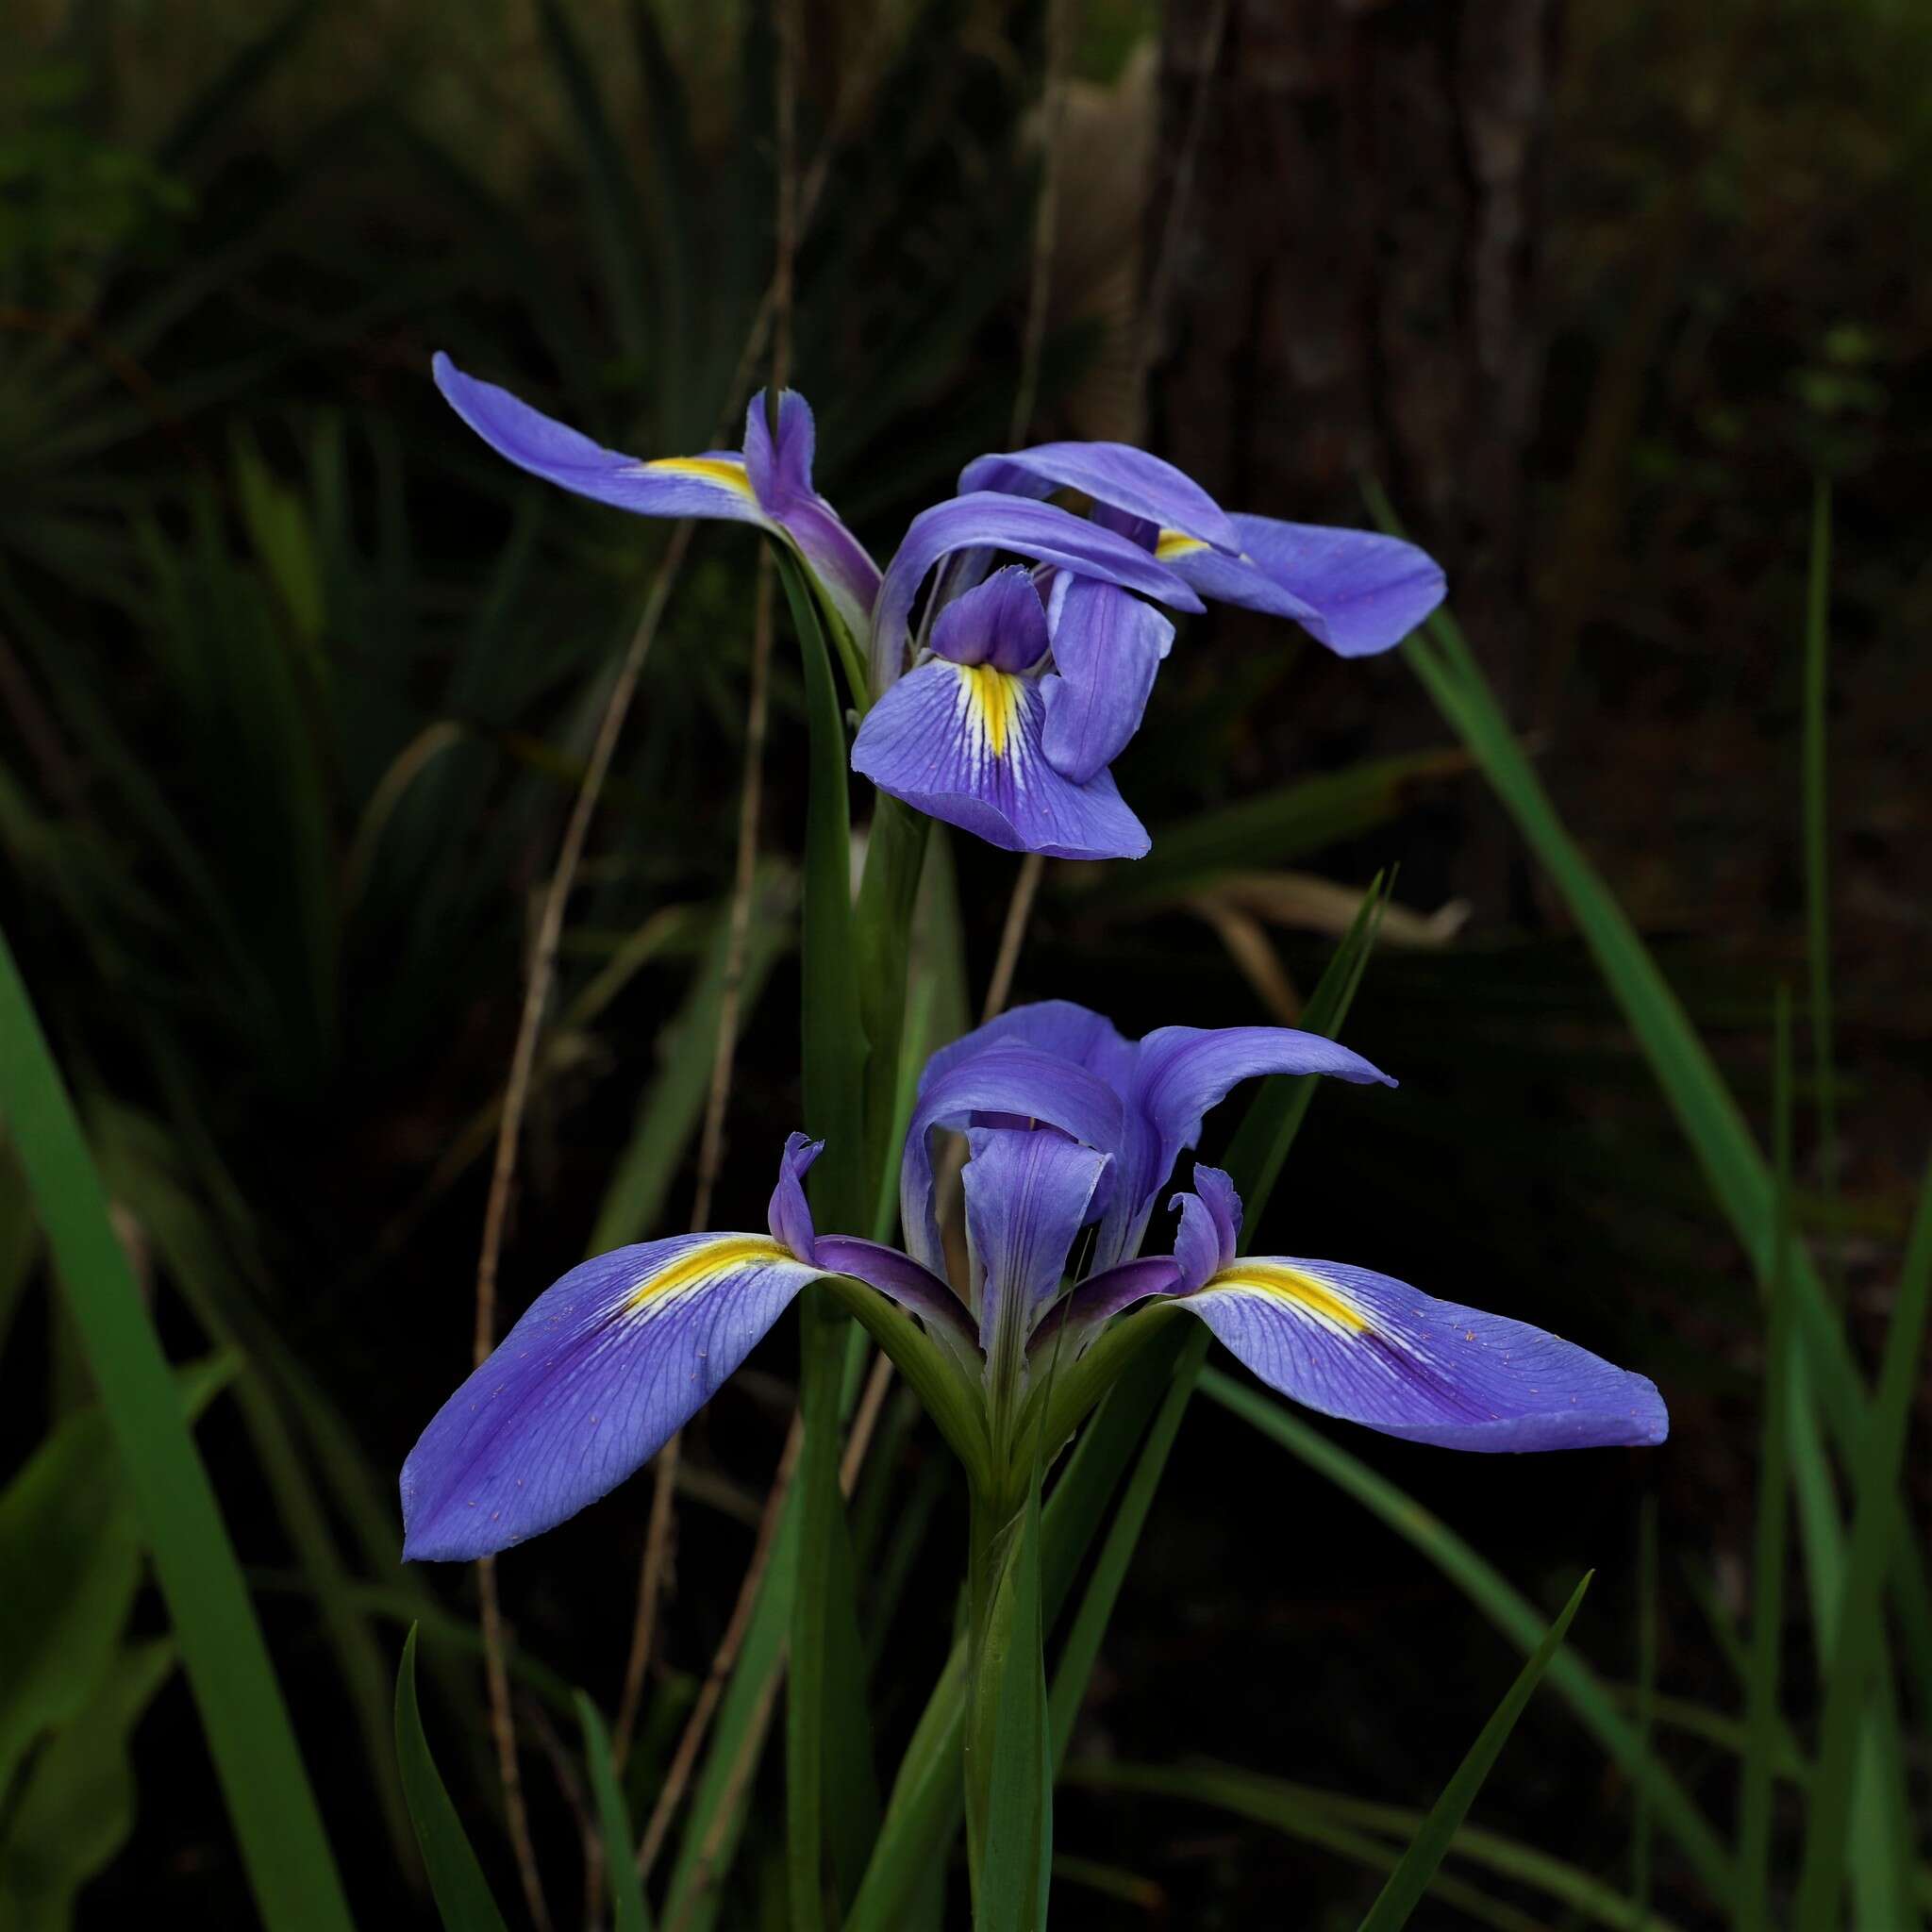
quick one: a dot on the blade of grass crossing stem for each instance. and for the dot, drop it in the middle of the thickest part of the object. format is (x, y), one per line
(1081, 1649)
(1816, 848)
(1295, 1808)
(1255, 1157)
(1259, 1149)
(613, 1821)
(1856, 1658)
(462, 1895)
(894, 857)
(1763, 1715)
(1016, 1869)
(1705, 1111)
(1505, 1607)
(825, 1716)
(1410, 1878)
(264, 1783)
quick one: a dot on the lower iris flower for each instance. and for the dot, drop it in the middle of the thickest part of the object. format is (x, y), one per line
(1072, 1133)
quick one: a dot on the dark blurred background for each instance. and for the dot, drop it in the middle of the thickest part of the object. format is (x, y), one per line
(298, 681)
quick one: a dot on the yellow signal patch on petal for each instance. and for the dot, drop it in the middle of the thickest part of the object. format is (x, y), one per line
(701, 1263)
(1173, 543)
(726, 472)
(1302, 1292)
(993, 697)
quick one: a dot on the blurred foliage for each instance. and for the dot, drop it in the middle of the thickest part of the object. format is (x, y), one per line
(296, 684)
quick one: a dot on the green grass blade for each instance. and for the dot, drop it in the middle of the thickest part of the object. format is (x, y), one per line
(1646, 1701)
(613, 1821)
(1503, 1605)
(1763, 1716)
(1410, 1878)
(1857, 1655)
(1016, 1868)
(267, 1790)
(463, 1895)
(1361, 1829)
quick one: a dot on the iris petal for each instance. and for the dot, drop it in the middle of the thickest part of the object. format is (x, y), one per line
(1349, 1342)
(588, 1386)
(1113, 474)
(1011, 1080)
(987, 519)
(962, 742)
(1106, 647)
(713, 485)
(1355, 591)
(1026, 1198)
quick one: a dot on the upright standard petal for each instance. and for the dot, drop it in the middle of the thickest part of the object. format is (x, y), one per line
(1010, 1082)
(713, 485)
(963, 743)
(1354, 591)
(1026, 1198)
(1180, 1074)
(988, 521)
(790, 1215)
(587, 1387)
(1113, 474)
(1359, 1345)
(1107, 645)
(1001, 623)
(1210, 1226)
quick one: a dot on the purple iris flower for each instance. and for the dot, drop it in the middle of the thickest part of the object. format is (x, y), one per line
(1353, 591)
(964, 737)
(767, 483)
(1072, 1132)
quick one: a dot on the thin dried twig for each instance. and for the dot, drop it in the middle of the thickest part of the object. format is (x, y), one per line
(1012, 936)
(656, 1558)
(503, 1174)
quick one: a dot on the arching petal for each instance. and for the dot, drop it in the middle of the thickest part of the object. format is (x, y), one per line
(1107, 645)
(1210, 1226)
(1026, 1198)
(1113, 474)
(713, 485)
(1014, 1081)
(586, 1388)
(990, 520)
(1355, 591)
(1352, 1344)
(1180, 1075)
(962, 743)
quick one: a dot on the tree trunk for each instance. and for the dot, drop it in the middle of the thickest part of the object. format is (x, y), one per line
(1345, 217)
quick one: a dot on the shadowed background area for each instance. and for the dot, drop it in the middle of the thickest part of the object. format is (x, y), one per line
(298, 683)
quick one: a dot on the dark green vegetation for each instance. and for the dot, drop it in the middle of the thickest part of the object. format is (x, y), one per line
(297, 689)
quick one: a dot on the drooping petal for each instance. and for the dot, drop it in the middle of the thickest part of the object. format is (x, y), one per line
(1355, 591)
(1026, 1198)
(1001, 623)
(901, 1280)
(780, 476)
(962, 743)
(1059, 1028)
(1352, 1344)
(1010, 1080)
(987, 519)
(1106, 647)
(790, 1216)
(1182, 1073)
(1113, 474)
(713, 485)
(1108, 1294)
(587, 1387)
(1210, 1225)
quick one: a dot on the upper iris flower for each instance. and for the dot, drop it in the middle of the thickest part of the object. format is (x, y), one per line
(767, 483)
(1068, 1128)
(1354, 591)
